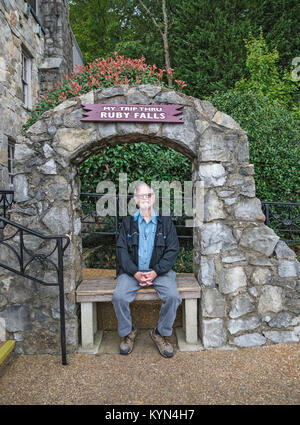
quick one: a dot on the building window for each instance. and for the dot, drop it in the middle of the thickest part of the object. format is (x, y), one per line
(10, 162)
(26, 79)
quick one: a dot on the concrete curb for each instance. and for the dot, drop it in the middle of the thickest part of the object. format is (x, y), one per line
(5, 350)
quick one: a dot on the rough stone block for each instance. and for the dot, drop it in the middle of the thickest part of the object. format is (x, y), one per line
(281, 320)
(136, 98)
(240, 305)
(109, 92)
(235, 326)
(67, 140)
(205, 108)
(213, 303)
(87, 98)
(283, 251)
(17, 318)
(57, 220)
(21, 188)
(48, 168)
(249, 340)
(287, 268)
(213, 333)
(213, 207)
(249, 209)
(270, 299)
(171, 97)
(107, 129)
(232, 280)
(282, 336)
(225, 120)
(207, 273)
(216, 237)
(261, 239)
(213, 146)
(184, 133)
(212, 175)
(149, 90)
(191, 322)
(261, 276)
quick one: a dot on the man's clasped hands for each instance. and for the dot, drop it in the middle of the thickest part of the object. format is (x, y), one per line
(145, 278)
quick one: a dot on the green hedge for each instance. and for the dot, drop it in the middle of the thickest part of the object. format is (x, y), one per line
(274, 142)
(141, 161)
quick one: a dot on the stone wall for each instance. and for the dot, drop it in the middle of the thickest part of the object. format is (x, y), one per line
(47, 39)
(249, 278)
(59, 45)
(17, 30)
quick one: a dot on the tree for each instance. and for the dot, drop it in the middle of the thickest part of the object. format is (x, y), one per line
(261, 104)
(163, 33)
(208, 36)
(204, 37)
(264, 77)
(279, 21)
(97, 27)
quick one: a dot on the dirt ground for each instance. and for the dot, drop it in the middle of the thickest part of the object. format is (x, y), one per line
(251, 376)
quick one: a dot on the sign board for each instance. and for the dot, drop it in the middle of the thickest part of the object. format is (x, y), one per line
(132, 113)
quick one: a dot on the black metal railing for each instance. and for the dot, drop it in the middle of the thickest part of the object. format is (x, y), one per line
(110, 225)
(282, 217)
(24, 258)
(6, 200)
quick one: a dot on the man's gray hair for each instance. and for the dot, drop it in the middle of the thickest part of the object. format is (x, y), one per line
(140, 185)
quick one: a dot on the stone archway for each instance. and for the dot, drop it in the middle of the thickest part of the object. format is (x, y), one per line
(248, 276)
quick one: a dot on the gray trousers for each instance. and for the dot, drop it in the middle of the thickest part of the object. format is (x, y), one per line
(125, 292)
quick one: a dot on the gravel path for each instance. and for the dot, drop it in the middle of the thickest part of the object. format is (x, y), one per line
(258, 375)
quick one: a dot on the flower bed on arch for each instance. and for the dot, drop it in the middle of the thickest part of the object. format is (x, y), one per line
(102, 73)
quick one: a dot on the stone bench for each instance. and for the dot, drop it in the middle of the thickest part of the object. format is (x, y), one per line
(94, 290)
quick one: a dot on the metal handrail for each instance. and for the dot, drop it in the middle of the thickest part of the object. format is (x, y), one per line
(40, 257)
(117, 216)
(293, 223)
(6, 199)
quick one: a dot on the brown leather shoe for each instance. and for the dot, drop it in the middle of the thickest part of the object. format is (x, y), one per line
(127, 342)
(163, 345)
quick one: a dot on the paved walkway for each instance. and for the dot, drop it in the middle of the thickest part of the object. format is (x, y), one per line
(258, 375)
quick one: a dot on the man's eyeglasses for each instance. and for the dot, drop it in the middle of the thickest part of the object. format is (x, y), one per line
(144, 196)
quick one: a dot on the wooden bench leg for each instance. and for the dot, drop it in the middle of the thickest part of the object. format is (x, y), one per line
(190, 321)
(88, 324)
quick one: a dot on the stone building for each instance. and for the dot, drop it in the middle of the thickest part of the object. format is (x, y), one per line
(37, 48)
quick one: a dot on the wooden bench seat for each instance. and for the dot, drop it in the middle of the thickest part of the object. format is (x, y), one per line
(94, 290)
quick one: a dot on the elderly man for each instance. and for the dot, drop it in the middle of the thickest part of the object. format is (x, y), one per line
(147, 249)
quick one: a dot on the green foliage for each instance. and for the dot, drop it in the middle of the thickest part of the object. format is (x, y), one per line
(207, 40)
(279, 20)
(205, 36)
(102, 73)
(273, 135)
(264, 76)
(97, 27)
(141, 161)
(184, 262)
(263, 104)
